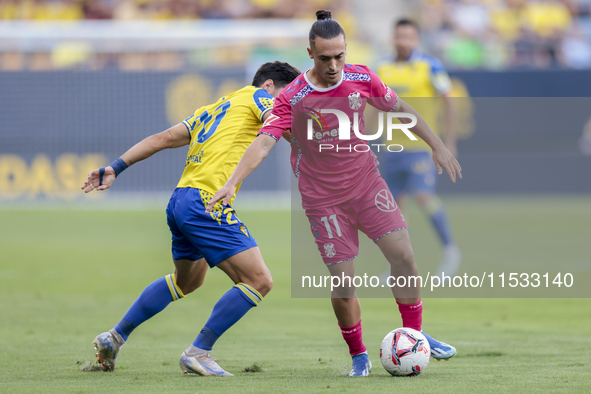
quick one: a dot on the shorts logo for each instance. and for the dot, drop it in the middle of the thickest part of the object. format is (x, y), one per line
(329, 250)
(244, 230)
(385, 201)
(355, 101)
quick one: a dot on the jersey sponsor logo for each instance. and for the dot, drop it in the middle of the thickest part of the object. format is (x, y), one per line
(324, 135)
(270, 119)
(355, 101)
(329, 250)
(317, 116)
(385, 202)
(196, 158)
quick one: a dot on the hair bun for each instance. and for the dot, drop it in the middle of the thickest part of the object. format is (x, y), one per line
(323, 14)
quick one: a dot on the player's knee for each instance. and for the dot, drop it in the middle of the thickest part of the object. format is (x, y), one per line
(407, 258)
(343, 292)
(262, 282)
(265, 284)
(187, 288)
(403, 260)
(192, 285)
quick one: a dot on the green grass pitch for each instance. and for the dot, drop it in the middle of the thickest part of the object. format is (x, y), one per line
(67, 275)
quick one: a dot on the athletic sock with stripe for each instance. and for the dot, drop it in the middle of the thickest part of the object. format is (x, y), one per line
(153, 300)
(227, 311)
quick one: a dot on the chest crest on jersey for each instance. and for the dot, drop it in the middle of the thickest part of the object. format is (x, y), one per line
(355, 101)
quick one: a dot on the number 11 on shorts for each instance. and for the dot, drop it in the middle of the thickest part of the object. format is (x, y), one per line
(333, 217)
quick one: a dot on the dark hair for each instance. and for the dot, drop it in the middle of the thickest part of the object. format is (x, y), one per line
(325, 27)
(281, 73)
(407, 22)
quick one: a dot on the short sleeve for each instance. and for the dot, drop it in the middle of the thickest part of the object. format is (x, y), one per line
(439, 78)
(381, 96)
(193, 120)
(262, 103)
(280, 118)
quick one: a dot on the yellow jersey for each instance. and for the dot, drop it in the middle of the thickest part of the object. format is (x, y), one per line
(220, 133)
(418, 80)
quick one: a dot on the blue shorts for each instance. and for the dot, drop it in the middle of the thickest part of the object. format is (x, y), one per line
(216, 236)
(409, 172)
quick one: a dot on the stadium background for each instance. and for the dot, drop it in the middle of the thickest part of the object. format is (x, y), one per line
(81, 81)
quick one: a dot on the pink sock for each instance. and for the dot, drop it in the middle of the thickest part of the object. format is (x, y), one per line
(412, 315)
(353, 337)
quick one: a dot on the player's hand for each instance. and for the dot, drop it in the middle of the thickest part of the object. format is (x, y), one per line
(93, 181)
(225, 194)
(445, 160)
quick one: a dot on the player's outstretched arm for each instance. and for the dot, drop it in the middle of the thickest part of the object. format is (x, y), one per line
(441, 155)
(102, 178)
(252, 158)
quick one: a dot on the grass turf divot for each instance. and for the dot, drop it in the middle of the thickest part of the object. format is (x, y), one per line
(254, 368)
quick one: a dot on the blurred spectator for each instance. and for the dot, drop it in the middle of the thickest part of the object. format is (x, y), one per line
(97, 9)
(161, 9)
(464, 52)
(506, 21)
(8, 9)
(576, 50)
(470, 16)
(57, 10)
(466, 34)
(508, 33)
(546, 17)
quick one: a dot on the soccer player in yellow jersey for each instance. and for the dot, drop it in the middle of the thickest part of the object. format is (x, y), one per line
(218, 135)
(418, 75)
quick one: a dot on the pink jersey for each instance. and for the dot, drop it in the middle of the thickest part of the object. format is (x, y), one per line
(329, 176)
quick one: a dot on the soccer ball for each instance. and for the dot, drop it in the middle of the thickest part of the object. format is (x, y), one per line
(405, 352)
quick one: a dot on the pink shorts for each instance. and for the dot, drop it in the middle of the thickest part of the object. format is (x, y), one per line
(372, 211)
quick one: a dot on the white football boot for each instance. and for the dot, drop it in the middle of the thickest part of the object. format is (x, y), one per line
(108, 345)
(201, 363)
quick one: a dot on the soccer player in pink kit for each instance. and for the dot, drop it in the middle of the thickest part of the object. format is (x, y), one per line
(341, 187)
